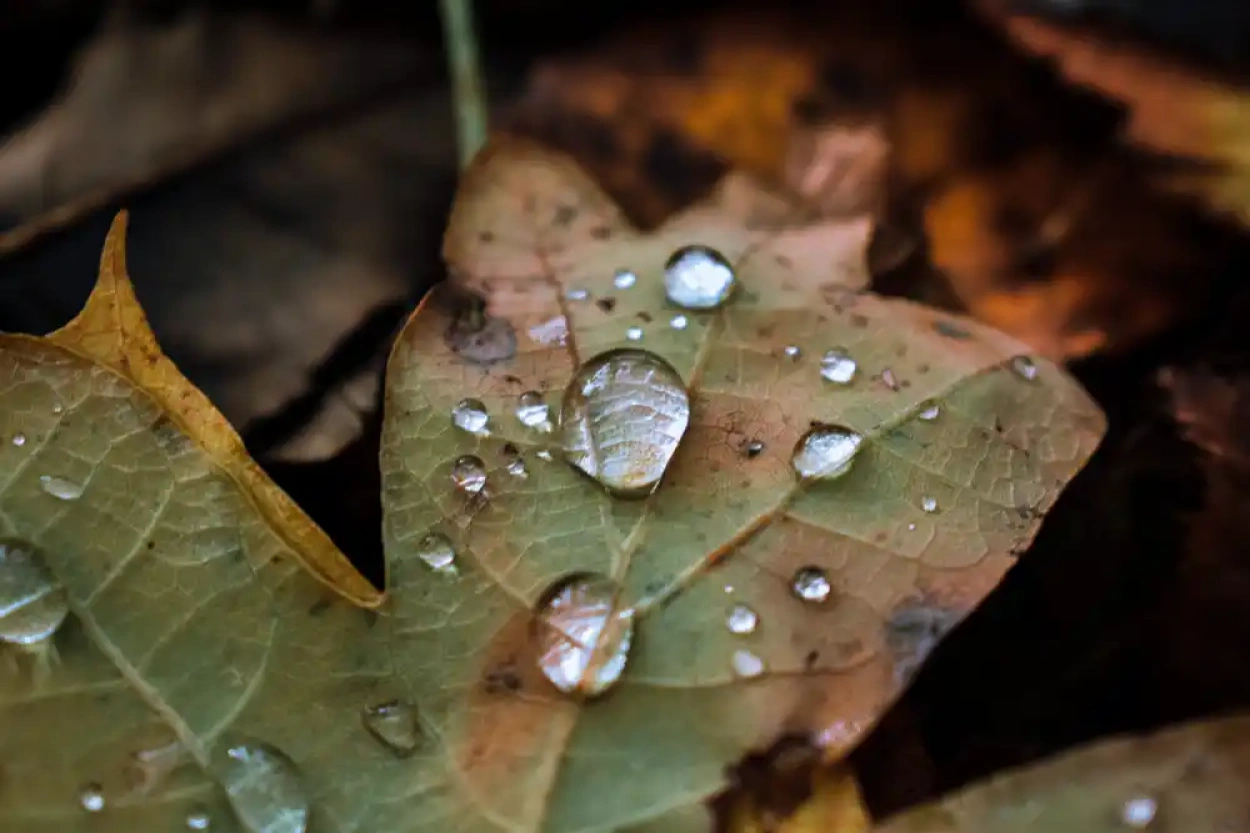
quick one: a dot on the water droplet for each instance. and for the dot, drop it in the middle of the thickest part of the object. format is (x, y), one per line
(679, 322)
(584, 635)
(929, 504)
(264, 787)
(554, 332)
(543, 454)
(634, 334)
(517, 468)
(1140, 811)
(468, 474)
(1024, 367)
(91, 797)
(33, 604)
(742, 620)
(838, 367)
(58, 408)
(199, 820)
(624, 279)
(887, 379)
(437, 552)
(826, 452)
(60, 488)
(395, 726)
(929, 411)
(747, 665)
(793, 352)
(811, 585)
(911, 527)
(533, 412)
(698, 277)
(753, 449)
(19, 440)
(577, 293)
(624, 414)
(470, 415)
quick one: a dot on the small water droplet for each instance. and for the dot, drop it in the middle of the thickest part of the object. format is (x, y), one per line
(517, 468)
(533, 412)
(911, 527)
(753, 449)
(793, 352)
(33, 604)
(826, 452)
(747, 665)
(468, 474)
(729, 588)
(58, 408)
(264, 787)
(624, 413)
(811, 585)
(436, 551)
(624, 279)
(395, 726)
(199, 820)
(470, 415)
(60, 488)
(634, 334)
(838, 367)
(544, 454)
(698, 277)
(1024, 367)
(19, 440)
(1140, 811)
(577, 293)
(929, 411)
(679, 322)
(887, 379)
(929, 504)
(742, 620)
(91, 797)
(584, 636)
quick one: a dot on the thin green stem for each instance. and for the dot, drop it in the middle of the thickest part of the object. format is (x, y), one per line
(468, 96)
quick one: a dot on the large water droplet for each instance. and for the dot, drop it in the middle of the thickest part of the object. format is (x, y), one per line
(468, 474)
(33, 604)
(698, 277)
(741, 620)
(436, 551)
(91, 797)
(533, 412)
(929, 504)
(826, 452)
(1140, 811)
(584, 636)
(470, 415)
(929, 411)
(838, 367)
(199, 820)
(264, 787)
(747, 665)
(811, 585)
(60, 488)
(395, 726)
(624, 279)
(19, 440)
(624, 414)
(1024, 367)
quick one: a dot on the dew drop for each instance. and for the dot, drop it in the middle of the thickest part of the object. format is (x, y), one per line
(929, 411)
(624, 413)
(58, 408)
(1024, 367)
(826, 452)
(19, 440)
(436, 552)
(679, 322)
(60, 488)
(811, 585)
(698, 277)
(584, 636)
(394, 725)
(33, 604)
(888, 379)
(517, 468)
(91, 797)
(929, 504)
(544, 454)
(793, 353)
(578, 293)
(634, 334)
(470, 415)
(624, 279)
(747, 665)
(753, 448)
(199, 820)
(838, 367)
(1139, 812)
(264, 787)
(742, 620)
(468, 474)
(533, 412)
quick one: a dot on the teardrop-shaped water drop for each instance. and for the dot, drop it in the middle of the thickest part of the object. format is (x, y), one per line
(624, 415)
(91, 798)
(468, 474)
(199, 819)
(264, 786)
(838, 367)
(747, 665)
(583, 635)
(826, 452)
(929, 411)
(1024, 367)
(634, 334)
(436, 552)
(741, 620)
(394, 725)
(929, 504)
(19, 440)
(33, 604)
(698, 277)
(471, 415)
(533, 412)
(811, 585)
(60, 488)
(624, 279)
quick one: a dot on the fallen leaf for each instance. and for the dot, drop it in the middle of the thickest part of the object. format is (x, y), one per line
(1189, 778)
(966, 443)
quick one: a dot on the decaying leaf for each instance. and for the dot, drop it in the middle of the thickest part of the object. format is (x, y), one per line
(1187, 779)
(847, 583)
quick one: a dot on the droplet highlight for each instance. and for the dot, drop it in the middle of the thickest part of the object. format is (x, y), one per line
(753, 449)
(624, 414)
(929, 504)
(1024, 367)
(1139, 812)
(634, 334)
(60, 488)
(889, 380)
(826, 452)
(742, 620)
(33, 604)
(19, 440)
(698, 277)
(679, 322)
(929, 411)
(436, 551)
(624, 279)
(811, 585)
(792, 352)
(394, 725)
(577, 293)
(533, 412)
(747, 665)
(91, 798)
(838, 367)
(468, 474)
(584, 635)
(264, 786)
(199, 820)
(470, 415)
